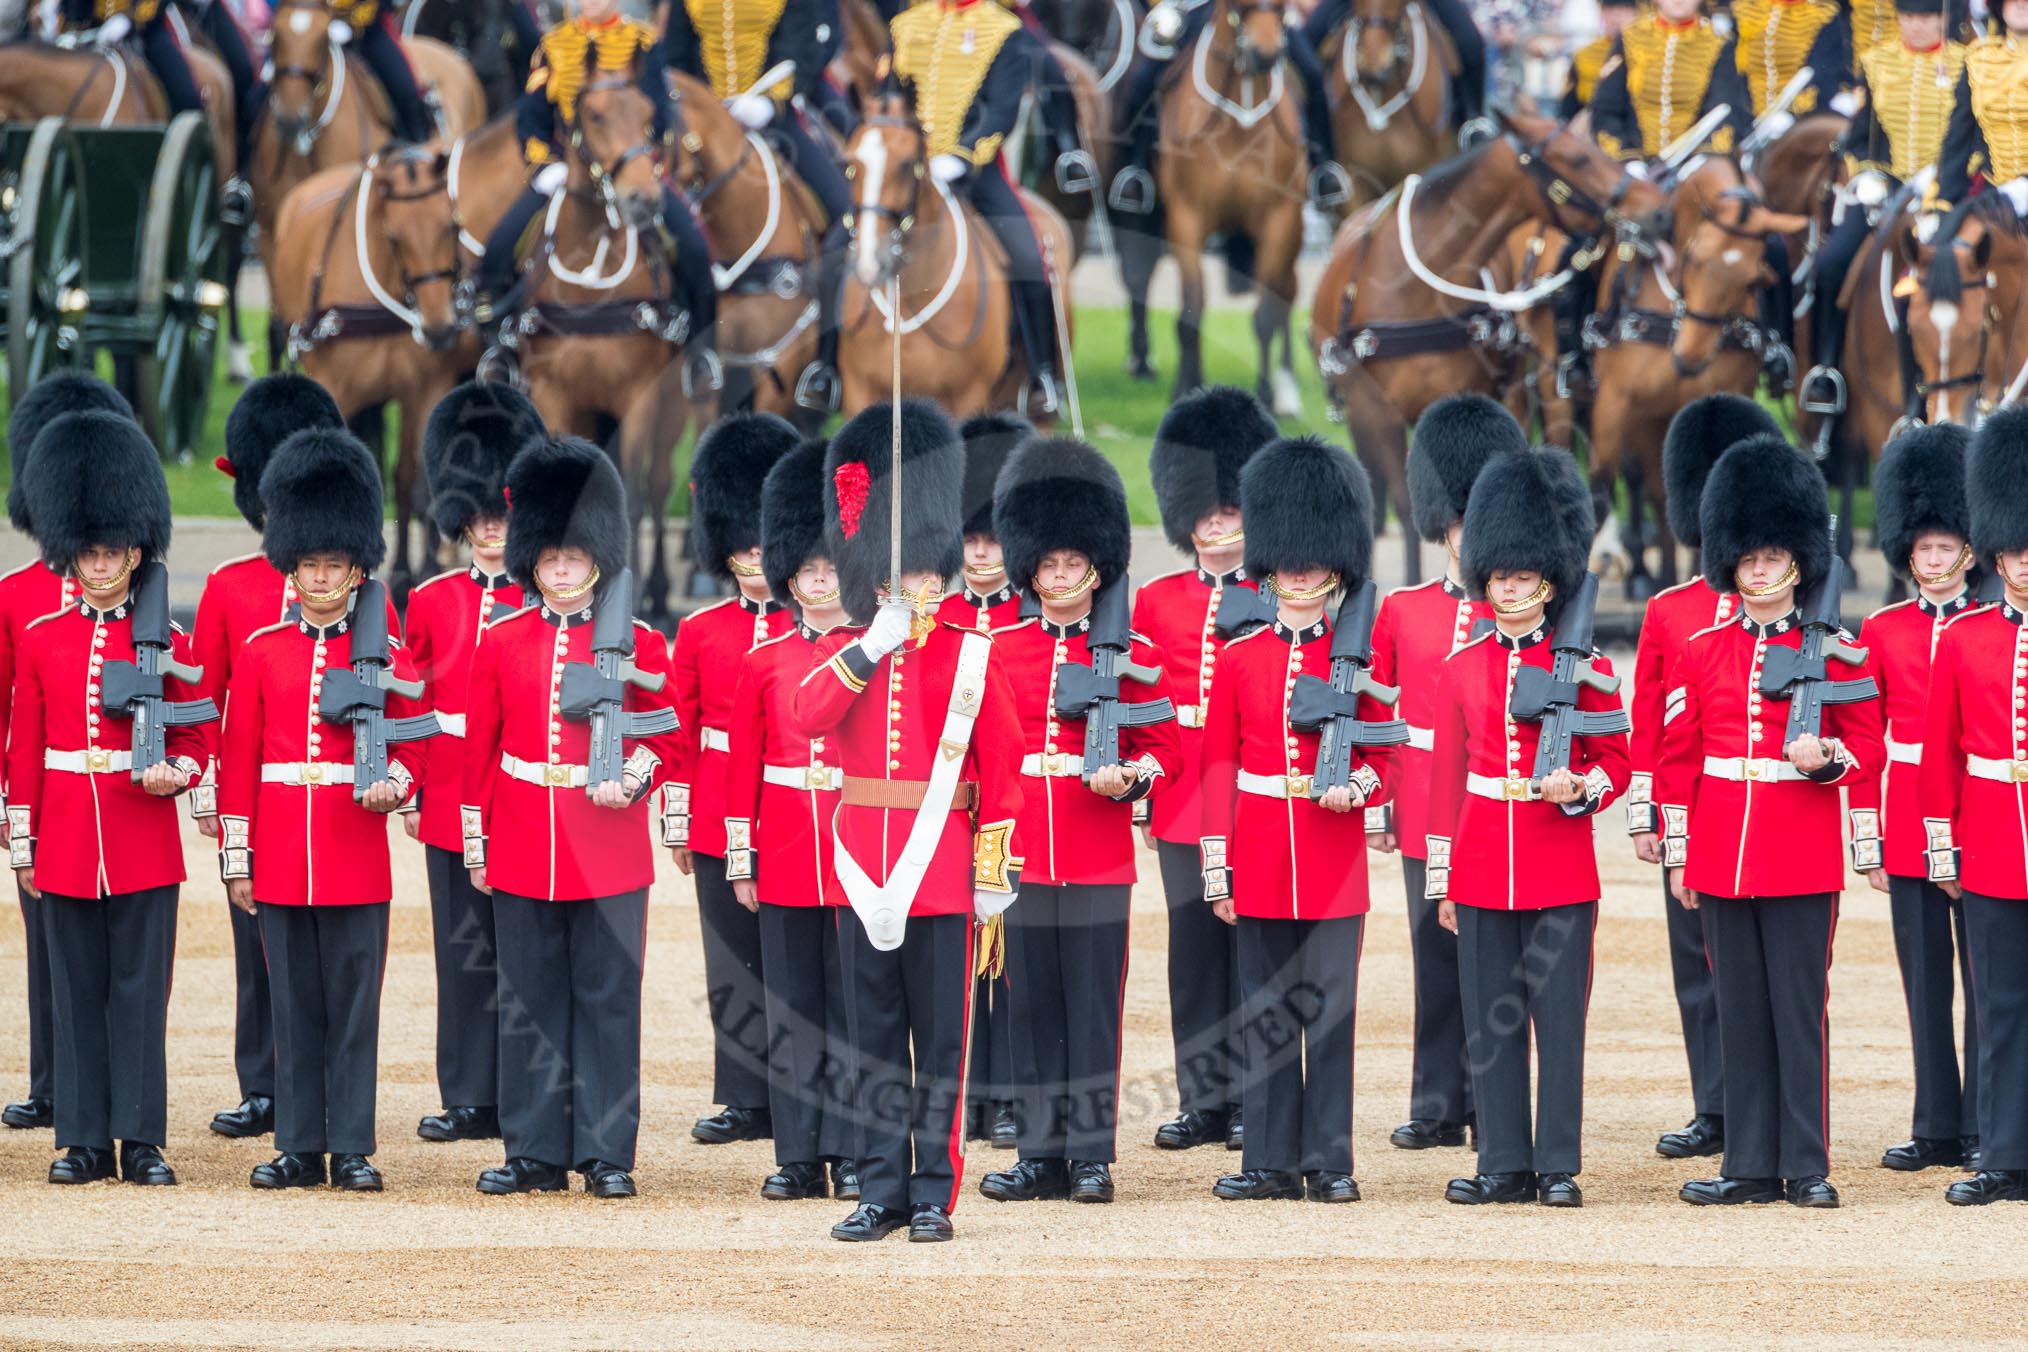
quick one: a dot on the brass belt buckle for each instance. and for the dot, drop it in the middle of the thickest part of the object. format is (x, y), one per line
(313, 772)
(1051, 763)
(1515, 789)
(1751, 768)
(98, 762)
(2017, 771)
(556, 776)
(1297, 786)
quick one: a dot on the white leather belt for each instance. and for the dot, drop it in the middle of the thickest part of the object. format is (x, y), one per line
(2000, 771)
(544, 775)
(451, 725)
(811, 778)
(1053, 765)
(1275, 786)
(1513, 789)
(1422, 739)
(88, 762)
(1190, 715)
(714, 739)
(1907, 753)
(1758, 769)
(307, 773)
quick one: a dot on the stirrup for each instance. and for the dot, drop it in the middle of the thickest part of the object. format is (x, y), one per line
(1133, 191)
(1831, 376)
(1330, 185)
(818, 389)
(498, 365)
(1571, 373)
(1038, 395)
(1076, 171)
(235, 202)
(712, 378)
(1476, 129)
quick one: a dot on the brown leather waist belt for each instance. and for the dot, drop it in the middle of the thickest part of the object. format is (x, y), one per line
(900, 795)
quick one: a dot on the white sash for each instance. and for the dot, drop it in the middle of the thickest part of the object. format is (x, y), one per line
(883, 908)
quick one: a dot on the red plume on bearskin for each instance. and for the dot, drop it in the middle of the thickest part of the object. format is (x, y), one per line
(854, 483)
(224, 466)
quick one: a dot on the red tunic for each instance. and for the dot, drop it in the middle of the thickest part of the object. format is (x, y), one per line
(786, 827)
(896, 739)
(549, 840)
(26, 595)
(1416, 629)
(98, 832)
(1765, 831)
(1511, 854)
(1179, 612)
(1289, 858)
(312, 843)
(1901, 642)
(1068, 833)
(1671, 618)
(446, 616)
(985, 612)
(1978, 707)
(704, 660)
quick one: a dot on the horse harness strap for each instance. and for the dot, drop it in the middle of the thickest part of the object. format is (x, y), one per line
(1475, 326)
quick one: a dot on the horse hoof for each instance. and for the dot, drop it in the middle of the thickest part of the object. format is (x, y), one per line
(239, 363)
(1140, 368)
(1288, 395)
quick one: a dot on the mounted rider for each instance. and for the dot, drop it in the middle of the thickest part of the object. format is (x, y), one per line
(1988, 130)
(216, 21)
(1173, 26)
(1672, 68)
(1595, 60)
(1468, 91)
(598, 42)
(1907, 87)
(108, 23)
(1773, 39)
(367, 27)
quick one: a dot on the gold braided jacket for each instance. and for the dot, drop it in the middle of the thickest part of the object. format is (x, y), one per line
(1587, 65)
(1997, 70)
(1774, 42)
(732, 39)
(1667, 74)
(361, 14)
(1912, 94)
(142, 12)
(559, 67)
(946, 51)
(1872, 24)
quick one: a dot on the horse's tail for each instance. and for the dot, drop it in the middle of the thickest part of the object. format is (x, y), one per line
(1239, 262)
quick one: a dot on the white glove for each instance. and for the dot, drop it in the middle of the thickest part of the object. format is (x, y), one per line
(341, 32)
(2016, 190)
(752, 111)
(1845, 102)
(1870, 188)
(550, 178)
(888, 631)
(1774, 124)
(949, 168)
(986, 905)
(1165, 21)
(114, 31)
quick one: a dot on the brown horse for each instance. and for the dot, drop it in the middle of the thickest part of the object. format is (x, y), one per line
(858, 66)
(368, 259)
(1968, 317)
(1231, 163)
(1388, 79)
(40, 79)
(912, 234)
(1389, 344)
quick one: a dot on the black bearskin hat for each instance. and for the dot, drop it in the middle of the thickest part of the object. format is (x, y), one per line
(1058, 493)
(1763, 492)
(471, 438)
(42, 403)
(732, 460)
(1201, 445)
(792, 516)
(322, 494)
(1702, 430)
(989, 439)
(1530, 512)
(1918, 486)
(565, 492)
(1996, 483)
(858, 524)
(1307, 503)
(1454, 438)
(121, 501)
(268, 412)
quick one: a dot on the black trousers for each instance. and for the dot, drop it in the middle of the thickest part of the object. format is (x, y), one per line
(812, 163)
(1930, 947)
(809, 1047)
(1440, 1081)
(1299, 984)
(989, 1073)
(383, 55)
(570, 1027)
(1696, 1003)
(910, 1012)
(468, 984)
(1203, 987)
(1524, 972)
(1772, 960)
(41, 997)
(109, 965)
(253, 1023)
(1067, 968)
(1996, 931)
(734, 989)
(1000, 204)
(327, 963)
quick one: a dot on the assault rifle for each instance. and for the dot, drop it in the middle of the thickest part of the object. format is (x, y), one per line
(1550, 697)
(596, 691)
(1802, 674)
(134, 689)
(359, 696)
(1093, 692)
(1332, 707)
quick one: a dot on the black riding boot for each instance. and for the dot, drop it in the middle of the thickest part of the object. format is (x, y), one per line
(1329, 184)
(818, 387)
(1133, 189)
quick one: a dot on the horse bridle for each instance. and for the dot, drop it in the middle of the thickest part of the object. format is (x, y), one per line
(604, 175)
(1559, 192)
(903, 219)
(453, 274)
(1973, 379)
(699, 189)
(1746, 199)
(1396, 27)
(307, 74)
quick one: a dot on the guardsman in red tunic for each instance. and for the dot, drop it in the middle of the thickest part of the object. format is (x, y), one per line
(1697, 436)
(1203, 442)
(1972, 788)
(1751, 822)
(92, 836)
(1417, 628)
(781, 791)
(471, 437)
(925, 832)
(731, 460)
(241, 596)
(567, 861)
(27, 594)
(1922, 524)
(1284, 865)
(1511, 860)
(1061, 515)
(301, 845)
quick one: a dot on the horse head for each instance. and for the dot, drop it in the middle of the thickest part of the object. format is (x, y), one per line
(1720, 238)
(1976, 261)
(1256, 30)
(1381, 39)
(886, 161)
(411, 190)
(1587, 191)
(703, 136)
(615, 142)
(300, 52)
